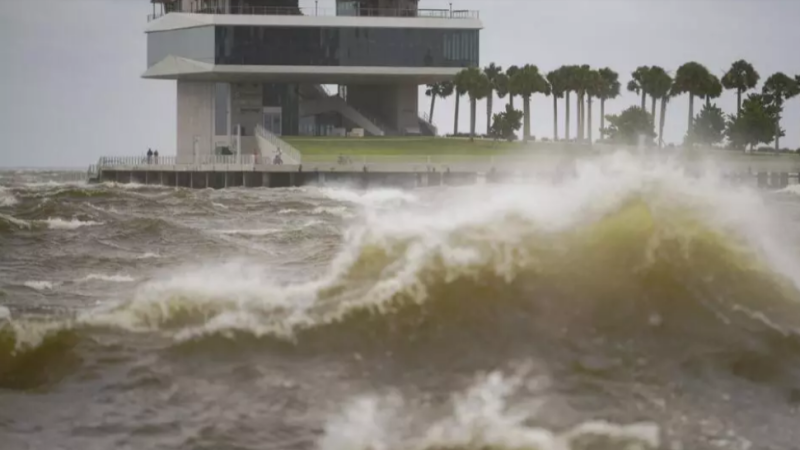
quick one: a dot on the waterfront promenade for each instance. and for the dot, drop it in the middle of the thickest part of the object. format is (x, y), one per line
(766, 170)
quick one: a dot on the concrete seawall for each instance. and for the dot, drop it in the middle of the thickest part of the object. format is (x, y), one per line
(763, 171)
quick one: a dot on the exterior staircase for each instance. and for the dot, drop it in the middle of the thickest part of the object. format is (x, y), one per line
(269, 144)
(339, 105)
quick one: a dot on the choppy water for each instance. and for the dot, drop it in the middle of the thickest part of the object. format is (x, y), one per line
(631, 305)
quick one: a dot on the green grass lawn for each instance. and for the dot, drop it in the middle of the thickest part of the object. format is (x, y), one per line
(446, 149)
(327, 146)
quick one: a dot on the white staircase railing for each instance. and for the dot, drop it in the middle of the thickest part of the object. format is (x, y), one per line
(270, 144)
(429, 122)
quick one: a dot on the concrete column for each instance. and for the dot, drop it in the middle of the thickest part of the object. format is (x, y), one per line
(762, 179)
(191, 179)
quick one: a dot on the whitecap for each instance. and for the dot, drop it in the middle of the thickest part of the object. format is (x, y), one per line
(370, 198)
(7, 198)
(62, 224)
(482, 416)
(109, 278)
(39, 285)
(254, 232)
(17, 222)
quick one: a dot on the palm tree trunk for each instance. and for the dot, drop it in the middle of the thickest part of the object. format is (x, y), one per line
(526, 105)
(661, 122)
(644, 100)
(433, 103)
(489, 101)
(473, 106)
(708, 101)
(583, 116)
(690, 132)
(738, 102)
(555, 118)
(578, 106)
(455, 123)
(653, 110)
(511, 100)
(603, 118)
(778, 133)
(589, 119)
(566, 120)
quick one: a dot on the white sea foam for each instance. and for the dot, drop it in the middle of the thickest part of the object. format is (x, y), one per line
(370, 198)
(7, 198)
(108, 278)
(73, 224)
(17, 222)
(341, 211)
(149, 255)
(51, 184)
(793, 189)
(132, 186)
(481, 417)
(219, 205)
(254, 232)
(39, 285)
(5, 313)
(463, 232)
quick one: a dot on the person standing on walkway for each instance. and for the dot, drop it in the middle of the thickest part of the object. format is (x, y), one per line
(149, 155)
(155, 155)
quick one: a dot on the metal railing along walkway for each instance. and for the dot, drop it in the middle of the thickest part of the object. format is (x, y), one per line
(289, 154)
(316, 11)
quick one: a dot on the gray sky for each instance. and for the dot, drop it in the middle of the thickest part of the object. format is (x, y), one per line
(70, 89)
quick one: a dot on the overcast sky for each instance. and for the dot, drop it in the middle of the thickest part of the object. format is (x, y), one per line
(70, 86)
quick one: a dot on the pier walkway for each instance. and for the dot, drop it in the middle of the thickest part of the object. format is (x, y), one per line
(410, 171)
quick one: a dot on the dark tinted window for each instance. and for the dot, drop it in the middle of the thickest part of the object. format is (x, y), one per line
(326, 46)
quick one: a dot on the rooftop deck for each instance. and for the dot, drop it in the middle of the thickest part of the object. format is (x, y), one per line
(315, 11)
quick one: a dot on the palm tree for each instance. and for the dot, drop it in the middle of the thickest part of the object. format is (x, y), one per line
(655, 75)
(594, 87)
(779, 88)
(610, 89)
(582, 76)
(558, 87)
(660, 88)
(742, 77)
(460, 87)
(569, 76)
(637, 84)
(491, 72)
(510, 74)
(477, 86)
(528, 81)
(691, 78)
(713, 90)
(502, 85)
(443, 89)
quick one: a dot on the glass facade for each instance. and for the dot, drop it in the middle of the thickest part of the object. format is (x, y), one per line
(328, 46)
(285, 96)
(222, 92)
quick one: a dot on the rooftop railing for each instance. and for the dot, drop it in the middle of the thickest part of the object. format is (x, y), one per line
(315, 11)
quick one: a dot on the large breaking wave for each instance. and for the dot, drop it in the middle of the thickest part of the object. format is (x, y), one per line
(639, 257)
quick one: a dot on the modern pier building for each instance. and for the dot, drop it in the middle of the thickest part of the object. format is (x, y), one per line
(250, 71)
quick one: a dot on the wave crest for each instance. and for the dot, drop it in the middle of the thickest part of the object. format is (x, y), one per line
(482, 417)
(33, 353)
